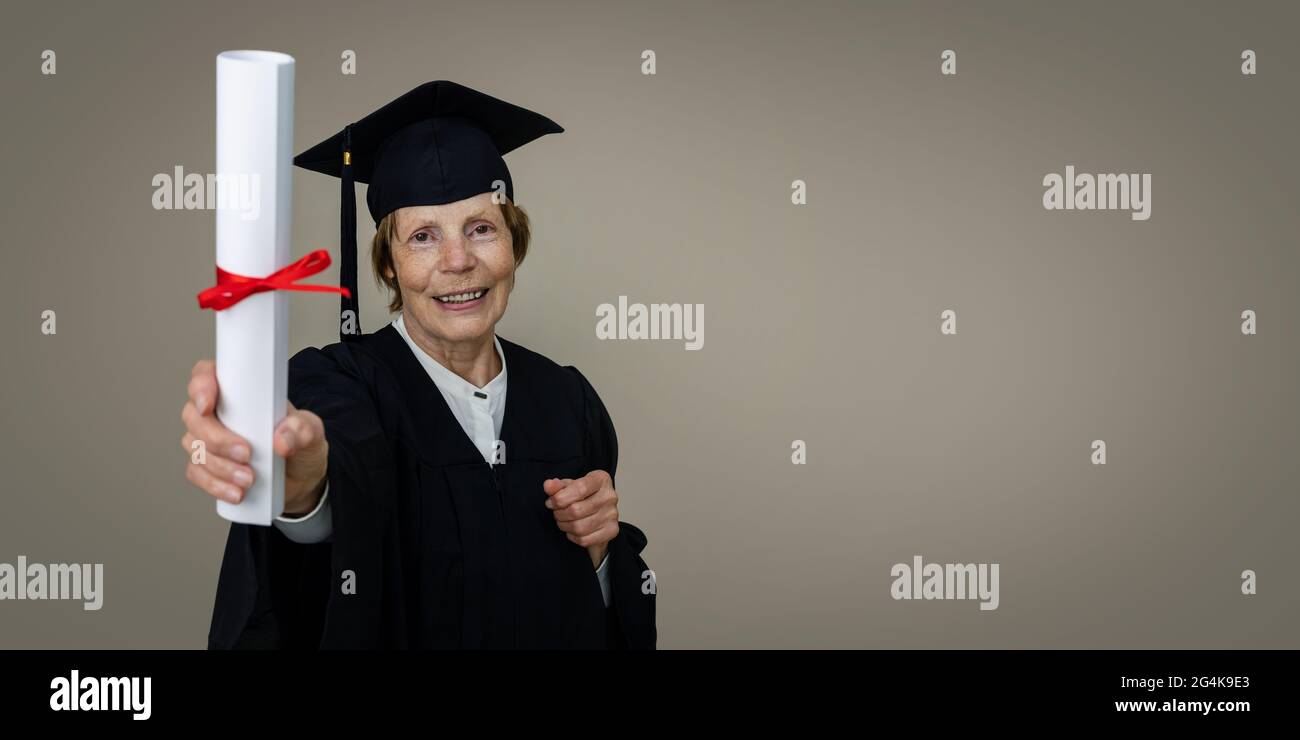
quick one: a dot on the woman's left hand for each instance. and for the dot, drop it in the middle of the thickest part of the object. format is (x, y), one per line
(586, 510)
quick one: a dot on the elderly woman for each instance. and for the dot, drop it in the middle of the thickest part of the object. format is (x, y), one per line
(429, 501)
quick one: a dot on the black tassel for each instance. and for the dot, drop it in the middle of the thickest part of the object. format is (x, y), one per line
(348, 247)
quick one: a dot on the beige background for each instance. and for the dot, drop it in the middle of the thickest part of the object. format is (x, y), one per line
(821, 321)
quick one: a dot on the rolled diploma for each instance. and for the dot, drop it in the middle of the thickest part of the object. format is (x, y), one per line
(254, 200)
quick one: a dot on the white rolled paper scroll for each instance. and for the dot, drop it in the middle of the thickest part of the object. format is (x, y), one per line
(254, 199)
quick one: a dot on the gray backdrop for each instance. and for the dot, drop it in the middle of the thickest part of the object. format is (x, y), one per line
(821, 320)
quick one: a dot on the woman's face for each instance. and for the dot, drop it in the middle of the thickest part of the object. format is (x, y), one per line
(447, 255)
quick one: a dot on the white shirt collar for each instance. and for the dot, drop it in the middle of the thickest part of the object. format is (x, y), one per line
(479, 411)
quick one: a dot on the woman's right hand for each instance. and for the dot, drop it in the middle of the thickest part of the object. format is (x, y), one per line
(225, 473)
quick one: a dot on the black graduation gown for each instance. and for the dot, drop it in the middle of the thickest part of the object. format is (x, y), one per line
(443, 549)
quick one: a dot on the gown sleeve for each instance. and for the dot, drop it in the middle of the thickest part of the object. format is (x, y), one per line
(274, 593)
(632, 618)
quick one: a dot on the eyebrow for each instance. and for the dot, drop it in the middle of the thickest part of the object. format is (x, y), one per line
(481, 213)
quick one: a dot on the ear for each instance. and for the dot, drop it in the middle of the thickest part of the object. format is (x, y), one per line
(389, 269)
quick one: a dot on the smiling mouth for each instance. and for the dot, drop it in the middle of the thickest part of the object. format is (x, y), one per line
(462, 297)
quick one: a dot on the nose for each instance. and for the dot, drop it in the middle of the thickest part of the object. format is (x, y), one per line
(455, 255)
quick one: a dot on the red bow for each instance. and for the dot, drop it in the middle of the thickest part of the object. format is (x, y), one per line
(231, 288)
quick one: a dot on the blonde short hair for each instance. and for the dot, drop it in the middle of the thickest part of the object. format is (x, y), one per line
(381, 248)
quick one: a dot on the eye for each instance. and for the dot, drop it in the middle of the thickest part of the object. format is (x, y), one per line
(484, 228)
(422, 237)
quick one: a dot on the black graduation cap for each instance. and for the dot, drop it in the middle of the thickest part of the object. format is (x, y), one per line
(439, 143)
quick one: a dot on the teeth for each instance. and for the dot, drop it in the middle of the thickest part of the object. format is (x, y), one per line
(462, 297)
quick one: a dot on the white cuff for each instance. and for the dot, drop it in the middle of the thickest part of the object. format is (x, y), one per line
(602, 573)
(311, 528)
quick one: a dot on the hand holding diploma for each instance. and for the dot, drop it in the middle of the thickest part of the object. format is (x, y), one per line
(224, 472)
(254, 275)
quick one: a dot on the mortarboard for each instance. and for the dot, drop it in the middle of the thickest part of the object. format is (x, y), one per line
(439, 143)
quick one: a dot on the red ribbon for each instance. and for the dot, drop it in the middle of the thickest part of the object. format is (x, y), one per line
(231, 288)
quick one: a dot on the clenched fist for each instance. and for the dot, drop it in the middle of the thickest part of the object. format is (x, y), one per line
(299, 439)
(586, 510)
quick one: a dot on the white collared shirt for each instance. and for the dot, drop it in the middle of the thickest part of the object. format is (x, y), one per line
(479, 411)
